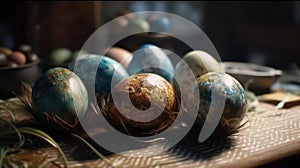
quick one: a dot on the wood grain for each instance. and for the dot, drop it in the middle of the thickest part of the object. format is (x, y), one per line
(269, 135)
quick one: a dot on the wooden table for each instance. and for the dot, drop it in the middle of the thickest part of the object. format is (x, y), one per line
(269, 135)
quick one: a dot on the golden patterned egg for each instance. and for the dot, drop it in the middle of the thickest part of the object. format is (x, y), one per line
(141, 104)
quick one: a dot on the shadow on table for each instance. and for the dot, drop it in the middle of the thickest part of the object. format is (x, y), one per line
(188, 148)
(191, 148)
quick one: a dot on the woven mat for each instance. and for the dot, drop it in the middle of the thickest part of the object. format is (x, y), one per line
(269, 135)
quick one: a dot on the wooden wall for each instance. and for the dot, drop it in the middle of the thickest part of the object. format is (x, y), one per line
(48, 25)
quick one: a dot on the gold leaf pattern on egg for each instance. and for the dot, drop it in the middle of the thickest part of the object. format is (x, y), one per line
(157, 94)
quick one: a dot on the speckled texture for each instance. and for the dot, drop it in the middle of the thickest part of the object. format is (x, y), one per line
(142, 88)
(235, 100)
(151, 59)
(200, 63)
(105, 71)
(58, 97)
(193, 65)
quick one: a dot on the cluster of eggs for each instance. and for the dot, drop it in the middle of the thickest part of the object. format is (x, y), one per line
(149, 62)
(20, 56)
(62, 55)
(216, 89)
(104, 72)
(140, 74)
(149, 78)
(131, 24)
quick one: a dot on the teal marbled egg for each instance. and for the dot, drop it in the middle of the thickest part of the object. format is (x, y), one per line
(99, 71)
(59, 98)
(214, 89)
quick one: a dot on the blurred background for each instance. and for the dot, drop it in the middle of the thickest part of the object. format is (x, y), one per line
(266, 33)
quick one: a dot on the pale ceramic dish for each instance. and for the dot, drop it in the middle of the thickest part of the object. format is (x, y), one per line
(260, 78)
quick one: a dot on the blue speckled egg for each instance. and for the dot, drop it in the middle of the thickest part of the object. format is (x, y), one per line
(151, 59)
(59, 97)
(105, 71)
(159, 24)
(214, 89)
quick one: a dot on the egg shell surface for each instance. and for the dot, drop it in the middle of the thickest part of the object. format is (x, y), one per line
(120, 55)
(151, 59)
(99, 71)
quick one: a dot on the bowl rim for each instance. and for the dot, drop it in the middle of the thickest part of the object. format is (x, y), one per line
(5, 68)
(250, 69)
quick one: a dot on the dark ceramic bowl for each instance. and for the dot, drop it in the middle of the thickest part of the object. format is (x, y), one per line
(11, 78)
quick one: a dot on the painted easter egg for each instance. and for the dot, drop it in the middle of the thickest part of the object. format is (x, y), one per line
(120, 55)
(221, 93)
(143, 104)
(99, 71)
(58, 98)
(159, 24)
(195, 63)
(136, 25)
(151, 59)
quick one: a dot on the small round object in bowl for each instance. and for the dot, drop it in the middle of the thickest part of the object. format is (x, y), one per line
(3, 59)
(18, 57)
(260, 78)
(31, 57)
(5, 50)
(25, 48)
